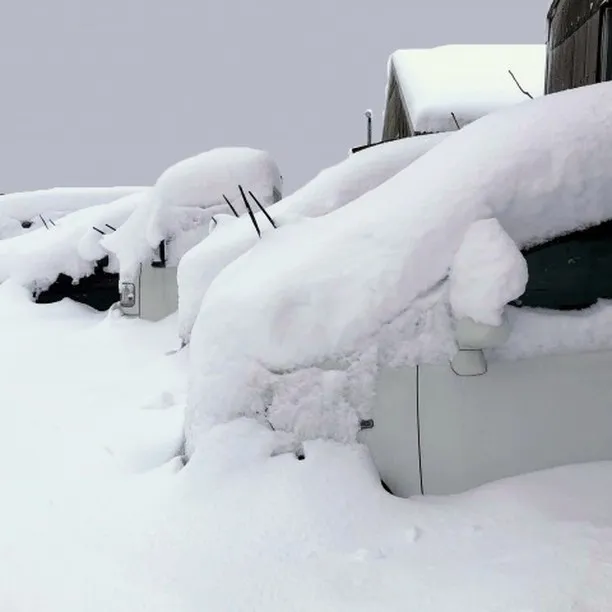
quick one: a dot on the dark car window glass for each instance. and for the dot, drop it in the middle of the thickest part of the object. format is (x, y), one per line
(571, 272)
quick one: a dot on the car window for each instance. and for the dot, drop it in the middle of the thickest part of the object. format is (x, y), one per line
(571, 272)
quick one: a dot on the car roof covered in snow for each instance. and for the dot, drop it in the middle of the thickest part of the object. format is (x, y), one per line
(468, 81)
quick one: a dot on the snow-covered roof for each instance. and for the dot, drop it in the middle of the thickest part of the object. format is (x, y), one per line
(468, 81)
(367, 283)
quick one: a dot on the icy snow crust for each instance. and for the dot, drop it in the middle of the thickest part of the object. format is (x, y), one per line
(468, 80)
(328, 191)
(98, 514)
(322, 294)
(52, 204)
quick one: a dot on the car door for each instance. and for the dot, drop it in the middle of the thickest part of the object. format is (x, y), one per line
(544, 398)
(392, 434)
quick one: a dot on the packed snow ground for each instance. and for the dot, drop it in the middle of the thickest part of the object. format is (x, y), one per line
(98, 514)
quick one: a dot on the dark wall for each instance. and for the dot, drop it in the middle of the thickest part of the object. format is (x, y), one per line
(574, 44)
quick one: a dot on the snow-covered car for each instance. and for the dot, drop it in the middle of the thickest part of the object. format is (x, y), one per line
(188, 201)
(26, 211)
(454, 318)
(93, 254)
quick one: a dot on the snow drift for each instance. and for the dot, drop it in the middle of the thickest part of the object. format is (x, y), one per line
(328, 191)
(327, 290)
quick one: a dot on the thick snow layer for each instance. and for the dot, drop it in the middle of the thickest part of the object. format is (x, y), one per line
(71, 247)
(51, 204)
(98, 515)
(488, 272)
(467, 80)
(187, 196)
(328, 191)
(202, 180)
(546, 332)
(325, 288)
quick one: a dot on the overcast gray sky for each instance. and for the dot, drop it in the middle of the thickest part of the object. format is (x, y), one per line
(103, 92)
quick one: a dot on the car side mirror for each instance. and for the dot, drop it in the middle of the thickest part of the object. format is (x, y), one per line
(472, 339)
(471, 335)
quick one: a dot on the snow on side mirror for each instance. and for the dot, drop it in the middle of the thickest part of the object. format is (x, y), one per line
(487, 273)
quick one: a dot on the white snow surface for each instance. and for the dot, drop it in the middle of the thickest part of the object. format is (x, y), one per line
(52, 204)
(468, 80)
(329, 190)
(98, 515)
(327, 288)
(488, 272)
(187, 196)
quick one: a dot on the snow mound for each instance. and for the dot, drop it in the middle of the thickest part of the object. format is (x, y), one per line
(187, 196)
(488, 272)
(326, 288)
(328, 191)
(469, 81)
(51, 205)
